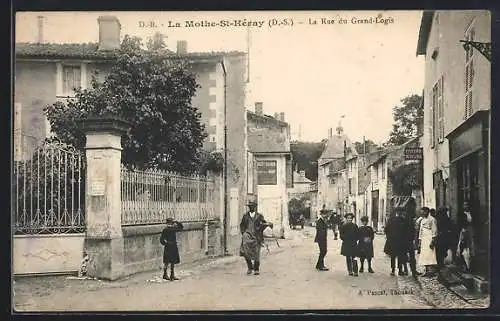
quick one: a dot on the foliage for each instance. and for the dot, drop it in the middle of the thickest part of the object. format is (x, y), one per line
(152, 93)
(369, 145)
(305, 157)
(211, 161)
(405, 178)
(407, 119)
(49, 190)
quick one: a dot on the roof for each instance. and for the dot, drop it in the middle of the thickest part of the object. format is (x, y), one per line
(266, 134)
(392, 149)
(91, 51)
(425, 29)
(334, 148)
(300, 179)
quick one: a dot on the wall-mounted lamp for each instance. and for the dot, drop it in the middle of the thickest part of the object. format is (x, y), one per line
(483, 47)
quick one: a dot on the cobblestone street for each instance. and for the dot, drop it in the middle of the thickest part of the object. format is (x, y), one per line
(288, 280)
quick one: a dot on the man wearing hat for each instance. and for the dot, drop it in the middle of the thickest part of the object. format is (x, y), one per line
(349, 236)
(321, 238)
(252, 228)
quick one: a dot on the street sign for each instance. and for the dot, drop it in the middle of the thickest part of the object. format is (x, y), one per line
(414, 153)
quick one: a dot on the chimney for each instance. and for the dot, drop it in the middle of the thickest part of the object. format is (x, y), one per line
(330, 132)
(109, 32)
(40, 29)
(259, 109)
(282, 116)
(181, 47)
(302, 173)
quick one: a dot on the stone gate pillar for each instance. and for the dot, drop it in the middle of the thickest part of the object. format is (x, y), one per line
(103, 238)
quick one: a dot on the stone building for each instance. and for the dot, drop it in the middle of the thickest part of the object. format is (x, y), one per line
(48, 72)
(269, 147)
(457, 119)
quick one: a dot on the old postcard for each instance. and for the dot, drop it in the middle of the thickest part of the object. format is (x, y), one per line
(224, 161)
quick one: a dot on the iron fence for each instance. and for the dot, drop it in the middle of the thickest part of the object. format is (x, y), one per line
(150, 197)
(48, 187)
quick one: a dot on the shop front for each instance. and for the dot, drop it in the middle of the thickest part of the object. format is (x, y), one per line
(470, 183)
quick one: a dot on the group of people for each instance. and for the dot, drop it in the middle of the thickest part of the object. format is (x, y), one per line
(431, 235)
(356, 241)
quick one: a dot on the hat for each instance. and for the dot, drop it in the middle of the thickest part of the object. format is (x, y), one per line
(252, 203)
(364, 219)
(349, 215)
(170, 220)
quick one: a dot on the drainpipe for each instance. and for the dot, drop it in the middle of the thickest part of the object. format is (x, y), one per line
(225, 158)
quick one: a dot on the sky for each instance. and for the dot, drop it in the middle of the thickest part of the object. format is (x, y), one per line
(314, 73)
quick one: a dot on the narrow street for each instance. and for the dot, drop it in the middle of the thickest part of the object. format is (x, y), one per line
(288, 281)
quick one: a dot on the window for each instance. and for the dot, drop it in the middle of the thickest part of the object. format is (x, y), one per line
(71, 79)
(437, 129)
(469, 74)
(267, 173)
(350, 187)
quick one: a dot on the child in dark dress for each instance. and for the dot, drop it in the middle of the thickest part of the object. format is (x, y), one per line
(171, 252)
(365, 244)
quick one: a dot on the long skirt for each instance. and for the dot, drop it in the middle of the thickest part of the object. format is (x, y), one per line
(171, 254)
(250, 247)
(427, 255)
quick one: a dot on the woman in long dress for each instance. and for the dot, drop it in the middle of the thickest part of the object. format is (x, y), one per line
(427, 236)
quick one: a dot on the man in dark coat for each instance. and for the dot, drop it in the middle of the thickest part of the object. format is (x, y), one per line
(168, 239)
(321, 239)
(349, 249)
(396, 246)
(366, 235)
(252, 228)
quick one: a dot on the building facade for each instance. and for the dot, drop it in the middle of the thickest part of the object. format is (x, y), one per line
(269, 146)
(457, 119)
(46, 73)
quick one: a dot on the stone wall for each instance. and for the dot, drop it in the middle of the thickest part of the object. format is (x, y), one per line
(142, 250)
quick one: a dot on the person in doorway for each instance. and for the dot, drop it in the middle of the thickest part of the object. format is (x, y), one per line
(444, 236)
(465, 246)
(396, 244)
(168, 239)
(349, 249)
(321, 239)
(252, 228)
(427, 237)
(366, 236)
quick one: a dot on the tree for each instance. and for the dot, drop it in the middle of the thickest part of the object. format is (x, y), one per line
(370, 147)
(305, 157)
(405, 178)
(407, 119)
(154, 94)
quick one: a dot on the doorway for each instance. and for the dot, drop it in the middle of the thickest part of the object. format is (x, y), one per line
(375, 206)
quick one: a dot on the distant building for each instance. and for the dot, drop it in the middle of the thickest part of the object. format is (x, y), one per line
(332, 172)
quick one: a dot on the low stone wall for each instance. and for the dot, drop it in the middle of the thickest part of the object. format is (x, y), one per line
(142, 250)
(47, 254)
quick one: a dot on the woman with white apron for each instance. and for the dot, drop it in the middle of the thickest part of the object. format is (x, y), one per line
(427, 236)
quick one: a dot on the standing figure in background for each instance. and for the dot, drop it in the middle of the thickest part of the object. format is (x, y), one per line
(252, 228)
(465, 246)
(365, 244)
(349, 249)
(444, 236)
(432, 212)
(168, 239)
(321, 239)
(396, 244)
(335, 221)
(427, 236)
